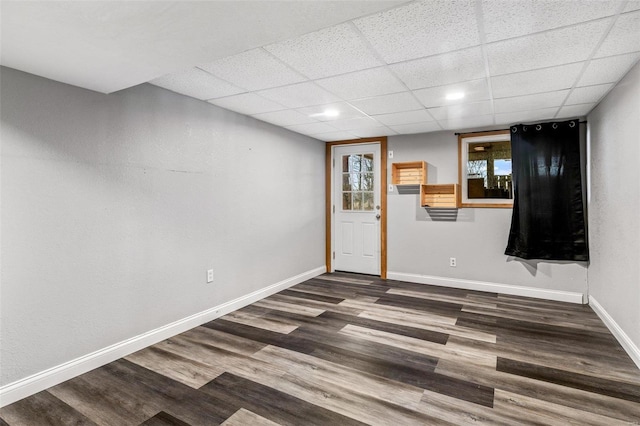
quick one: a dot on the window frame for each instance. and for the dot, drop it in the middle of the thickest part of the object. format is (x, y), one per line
(464, 139)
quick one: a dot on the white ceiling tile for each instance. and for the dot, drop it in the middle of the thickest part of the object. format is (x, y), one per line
(372, 132)
(570, 111)
(525, 116)
(632, 5)
(355, 123)
(459, 111)
(253, 70)
(546, 49)
(443, 69)
(537, 81)
(197, 84)
(467, 123)
(311, 128)
(624, 37)
(530, 102)
(406, 129)
(507, 19)
(287, 117)
(608, 70)
(406, 117)
(247, 103)
(363, 84)
(386, 104)
(335, 136)
(345, 111)
(589, 94)
(330, 51)
(476, 90)
(421, 29)
(299, 95)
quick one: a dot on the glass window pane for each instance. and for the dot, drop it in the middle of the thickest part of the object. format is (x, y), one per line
(367, 200)
(367, 181)
(355, 182)
(354, 163)
(346, 182)
(367, 163)
(346, 201)
(357, 201)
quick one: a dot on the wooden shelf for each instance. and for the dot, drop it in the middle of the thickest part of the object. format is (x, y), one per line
(412, 173)
(440, 196)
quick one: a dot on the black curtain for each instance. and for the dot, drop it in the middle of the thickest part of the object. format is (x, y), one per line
(548, 219)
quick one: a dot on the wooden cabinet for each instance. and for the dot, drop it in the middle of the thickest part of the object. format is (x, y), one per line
(440, 196)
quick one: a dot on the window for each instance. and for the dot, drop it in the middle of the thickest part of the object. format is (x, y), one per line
(485, 169)
(357, 182)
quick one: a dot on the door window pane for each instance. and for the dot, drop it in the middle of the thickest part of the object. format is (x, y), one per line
(358, 182)
(367, 163)
(367, 181)
(357, 201)
(346, 201)
(367, 201)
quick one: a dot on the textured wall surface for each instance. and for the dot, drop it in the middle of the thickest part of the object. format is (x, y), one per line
(114, 207)
(418, 245)
(614, 229)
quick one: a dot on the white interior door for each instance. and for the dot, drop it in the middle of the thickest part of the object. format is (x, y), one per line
(356, 206)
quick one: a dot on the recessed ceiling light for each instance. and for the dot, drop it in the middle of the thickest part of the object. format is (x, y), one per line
(454, 96)
(327, 113)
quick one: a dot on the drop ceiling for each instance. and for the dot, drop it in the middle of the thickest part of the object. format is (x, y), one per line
(341, 70)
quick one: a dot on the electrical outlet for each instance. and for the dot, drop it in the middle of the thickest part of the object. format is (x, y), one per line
(390, 154)
(390, 188)
(452, 262)
(210, 275)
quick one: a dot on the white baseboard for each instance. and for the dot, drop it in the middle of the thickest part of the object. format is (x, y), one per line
(45, 379)
(625, 341)
(557, 295)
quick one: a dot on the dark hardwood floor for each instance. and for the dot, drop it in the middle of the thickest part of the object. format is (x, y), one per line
(346, 349)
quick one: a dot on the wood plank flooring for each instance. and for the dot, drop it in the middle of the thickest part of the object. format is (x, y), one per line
(348, 349)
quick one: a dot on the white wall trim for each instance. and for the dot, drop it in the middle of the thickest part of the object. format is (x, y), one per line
(540, 293)
(40, 381)
(616, 330)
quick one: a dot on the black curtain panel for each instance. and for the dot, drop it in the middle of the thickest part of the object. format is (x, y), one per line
(548, 219)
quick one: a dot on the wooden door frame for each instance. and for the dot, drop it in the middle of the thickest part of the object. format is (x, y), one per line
(382, 140)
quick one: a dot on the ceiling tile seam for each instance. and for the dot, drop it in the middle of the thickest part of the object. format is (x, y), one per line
(587, 62)
(342, 99)
(538, 69)
(448, 52)
(301, 74)
(413, 122)
(548, 92)
(367, 98)
(368, 115)
(222, 79)
(254, 92)
(485, 56)
(564, 27)
(377, 55)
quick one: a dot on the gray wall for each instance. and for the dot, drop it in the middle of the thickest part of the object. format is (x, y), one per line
(114, 206)
(417, 245)
(614, 228)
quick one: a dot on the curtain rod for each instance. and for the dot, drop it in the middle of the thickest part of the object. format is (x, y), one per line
(497, 130)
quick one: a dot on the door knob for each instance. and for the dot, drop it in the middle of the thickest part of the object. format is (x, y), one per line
(378, 216)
